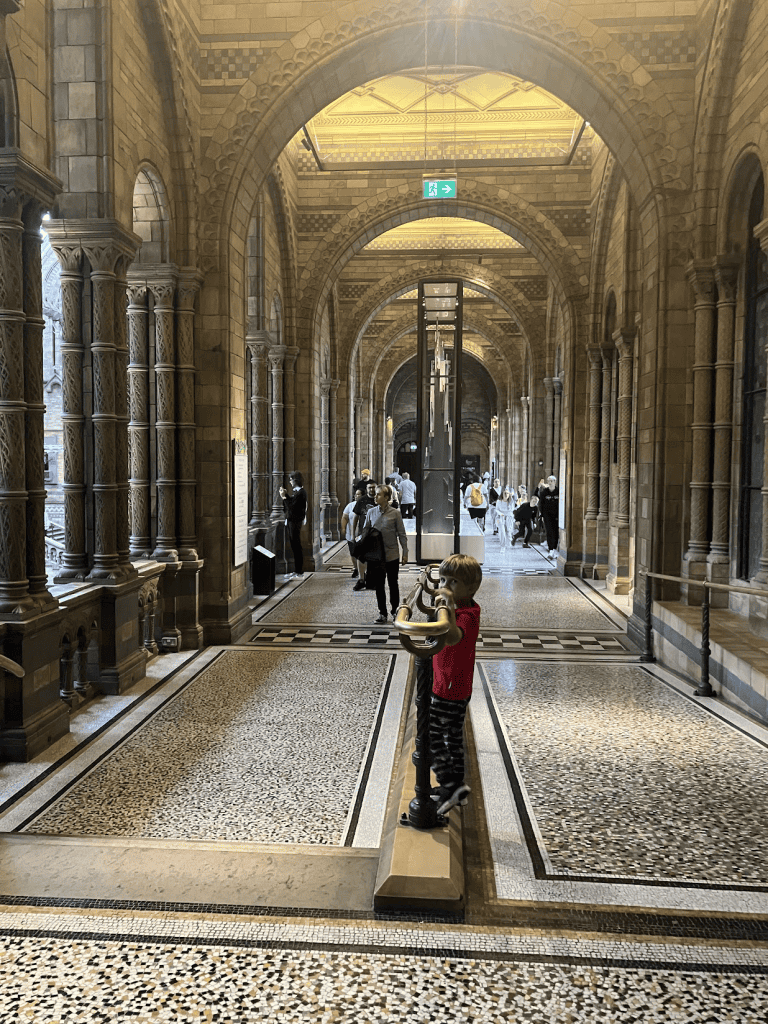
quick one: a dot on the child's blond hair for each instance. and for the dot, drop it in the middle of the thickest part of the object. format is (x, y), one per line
(465, 569)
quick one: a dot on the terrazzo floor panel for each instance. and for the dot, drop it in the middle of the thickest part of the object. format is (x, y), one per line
(249, 767)
(144, 969)
(621, 776)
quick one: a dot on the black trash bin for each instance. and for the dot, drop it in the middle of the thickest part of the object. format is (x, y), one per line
(263, 563)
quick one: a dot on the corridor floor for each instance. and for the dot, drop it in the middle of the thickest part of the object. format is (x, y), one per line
(206, 851)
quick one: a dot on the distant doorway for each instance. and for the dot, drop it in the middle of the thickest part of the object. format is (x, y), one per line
(407, 461)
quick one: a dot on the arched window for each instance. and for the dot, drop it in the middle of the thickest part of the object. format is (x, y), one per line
(754, 381)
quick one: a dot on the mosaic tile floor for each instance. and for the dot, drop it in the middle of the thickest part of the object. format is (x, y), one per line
(247, 768)
(618, 775)
(145, 969)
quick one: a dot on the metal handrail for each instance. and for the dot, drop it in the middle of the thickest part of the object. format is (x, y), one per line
(705, 583)
(705, 687)
(11, 666)
(423, 639)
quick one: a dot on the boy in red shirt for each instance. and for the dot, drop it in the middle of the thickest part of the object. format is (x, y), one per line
(453, 669)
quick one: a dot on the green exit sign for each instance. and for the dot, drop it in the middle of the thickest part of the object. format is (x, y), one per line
(440, 188)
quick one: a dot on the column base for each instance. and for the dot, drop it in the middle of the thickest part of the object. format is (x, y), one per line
(123, 660)
(694, 568)
(589, 549)
(618, 578)
(718, 571)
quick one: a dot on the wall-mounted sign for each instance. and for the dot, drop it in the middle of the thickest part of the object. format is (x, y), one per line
(440, 188)
(240, 493)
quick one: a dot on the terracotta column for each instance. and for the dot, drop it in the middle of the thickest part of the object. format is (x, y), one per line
(524, 459)
(186, 293)
(726, 276)
(138, 426)
(276, 363)
(163, 293)
(258, 343)
(593, 443)
(701, 276)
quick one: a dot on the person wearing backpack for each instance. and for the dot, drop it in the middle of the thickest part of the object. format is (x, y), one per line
(476, 501)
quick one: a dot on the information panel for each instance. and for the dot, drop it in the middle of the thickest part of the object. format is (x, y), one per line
(240, 492)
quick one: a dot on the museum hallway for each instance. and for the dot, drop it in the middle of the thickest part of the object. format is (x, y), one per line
(204, 848)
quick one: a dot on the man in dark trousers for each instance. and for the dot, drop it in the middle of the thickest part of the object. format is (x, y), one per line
(524, 515)
(295, 506)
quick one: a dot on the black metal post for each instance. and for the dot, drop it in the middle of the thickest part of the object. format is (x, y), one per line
(647, 654)
(422, 810)
(705, 689)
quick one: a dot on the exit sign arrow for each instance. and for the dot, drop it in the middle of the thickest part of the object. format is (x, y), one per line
(440, 188)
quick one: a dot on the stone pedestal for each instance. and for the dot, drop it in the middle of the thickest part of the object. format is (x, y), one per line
(187, 595)
(694, 568)
(589, 548)
(718, 571)
(602, 563)
(123, 661)
(34, 716)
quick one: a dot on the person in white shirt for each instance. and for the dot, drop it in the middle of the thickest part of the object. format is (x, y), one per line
(346, 525)
(476, 501)
(407, 496)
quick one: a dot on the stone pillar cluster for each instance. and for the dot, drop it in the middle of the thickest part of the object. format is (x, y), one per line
(258, 344)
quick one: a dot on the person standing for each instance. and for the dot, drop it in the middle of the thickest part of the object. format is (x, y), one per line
(407, 496)
(389, 523)
(525, 514)
(295, 507)
(494, 493)
(346, 525)
(362, 483)
(359, 513)
(476, 501)
(505, 508)
(549, 503)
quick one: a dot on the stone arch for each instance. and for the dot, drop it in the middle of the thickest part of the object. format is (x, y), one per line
(716, 95)
(741, 180)
(162, 44)
(352, 43)
(402, 204)
(287, 240)
(609, 193)
(151, 217)
(483, 279)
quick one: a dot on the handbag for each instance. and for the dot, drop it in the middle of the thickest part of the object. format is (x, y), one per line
(370, 547)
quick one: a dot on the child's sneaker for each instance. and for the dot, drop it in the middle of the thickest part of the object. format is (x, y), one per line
(458, 797)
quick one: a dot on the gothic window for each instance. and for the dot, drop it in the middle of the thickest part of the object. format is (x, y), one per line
(754, 390)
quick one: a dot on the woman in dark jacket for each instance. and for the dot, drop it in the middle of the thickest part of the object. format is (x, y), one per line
(549, 505)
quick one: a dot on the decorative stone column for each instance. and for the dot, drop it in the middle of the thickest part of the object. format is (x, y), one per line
(187, 580)
(123, 529)
(74, 558)
(103, 258)
(164, 293)
(258, 343)
(291, 355)
(325, 401)
(333, 486)
(524, 459)
(718, 560)
(186, 293)
(138, 425)
(276, 364)
(600, 569)
(619, 576)
(557, 430)
(357, 451)
(761, 577)
(549, 425)
(34, 442)
(589, 547)
(702, 278)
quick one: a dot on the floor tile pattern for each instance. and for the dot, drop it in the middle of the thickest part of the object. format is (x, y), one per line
(247, 767)
(488, 640)
(144, 969)
(625, 777)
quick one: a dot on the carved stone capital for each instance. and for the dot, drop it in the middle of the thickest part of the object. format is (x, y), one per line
(624, 339)
(701, 274)
(727, 277)
(189, 281)
(107, 244)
